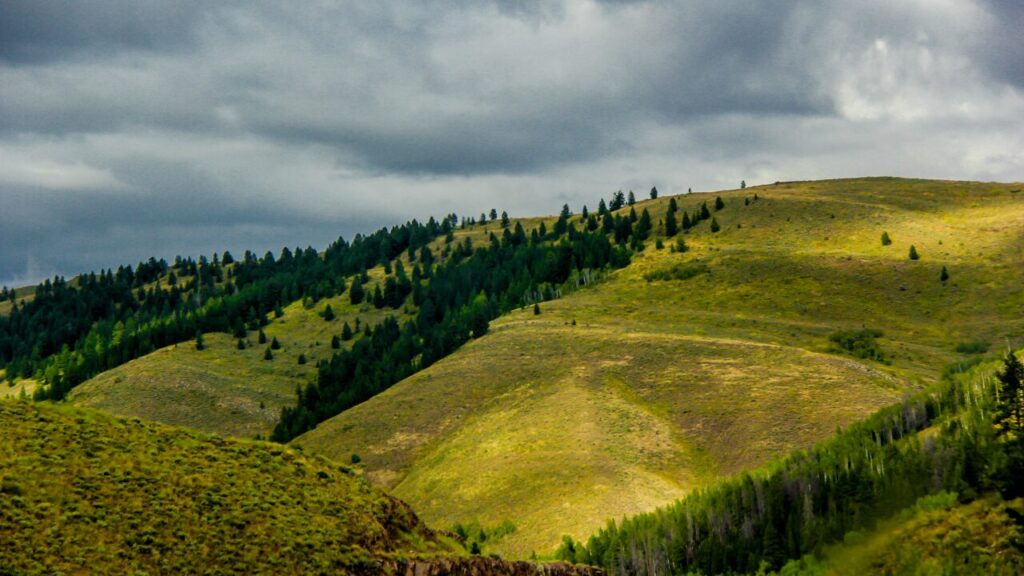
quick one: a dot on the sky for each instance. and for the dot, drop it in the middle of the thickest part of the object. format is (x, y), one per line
(138, 128)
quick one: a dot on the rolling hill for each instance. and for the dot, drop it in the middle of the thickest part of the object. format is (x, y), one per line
(676, 371)
(652, 387)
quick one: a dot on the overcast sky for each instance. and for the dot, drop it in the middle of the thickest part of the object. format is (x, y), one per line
(143, 127)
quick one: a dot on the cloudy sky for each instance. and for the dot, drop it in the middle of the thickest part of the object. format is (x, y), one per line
(142, 127)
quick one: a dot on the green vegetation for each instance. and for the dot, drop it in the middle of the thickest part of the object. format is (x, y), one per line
(81, 492)
(886, 241)
(972, 347)
(967, 436)
(913, 253)
(678, 271)
(860, 343)
(662, 387)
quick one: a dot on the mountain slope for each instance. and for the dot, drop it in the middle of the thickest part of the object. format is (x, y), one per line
(652, 387)
(82, 491)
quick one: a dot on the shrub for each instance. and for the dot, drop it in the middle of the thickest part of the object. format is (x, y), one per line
(678, 271)
(913, 253)
(885, 239)
(858, 343)
(972, 347)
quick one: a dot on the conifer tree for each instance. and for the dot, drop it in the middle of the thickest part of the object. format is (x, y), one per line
(274, 344)
(268, 355)
(618, 201)
(262, 337)
(631, 199)
(602, 208)
(944, 275)
(718, 203)
(504, 219)
(241, 344)
(335, 341)
(494, 214)
(704, 212)
(743, 184)
(584, 214)
(885, 239)
(346, 331)
(671, 229)
(356, 293)
(536, 309)
(654, 192)
(714, 225)
(199, 341)
(913, 253)
(686, 222)
(302, 358)
(328, 313)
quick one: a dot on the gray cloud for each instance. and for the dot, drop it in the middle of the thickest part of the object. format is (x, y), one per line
(137, 128)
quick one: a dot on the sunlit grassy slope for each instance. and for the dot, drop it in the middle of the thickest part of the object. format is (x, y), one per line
(628, 394)
(935, 537)
(222, 389)
(86, 493)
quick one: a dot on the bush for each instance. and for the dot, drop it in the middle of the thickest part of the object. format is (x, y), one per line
(885, 239)
(858, 343)
(913, 253)
(678, 271)
(972, 347)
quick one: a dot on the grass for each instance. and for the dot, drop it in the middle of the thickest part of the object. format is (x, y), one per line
(222, 389)
(937, 537)
(633, 392)
(82, 492)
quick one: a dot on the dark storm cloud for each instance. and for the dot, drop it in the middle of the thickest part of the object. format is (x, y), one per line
(136, 127)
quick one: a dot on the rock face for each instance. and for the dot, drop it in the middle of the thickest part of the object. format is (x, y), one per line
(481, 566)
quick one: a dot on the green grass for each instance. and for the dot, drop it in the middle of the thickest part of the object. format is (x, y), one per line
(222, 389)
(82, 492)
(668, 381)
(937, 537)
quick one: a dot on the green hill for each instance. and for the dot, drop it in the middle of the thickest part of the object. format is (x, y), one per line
(84, 492)
(650, 387)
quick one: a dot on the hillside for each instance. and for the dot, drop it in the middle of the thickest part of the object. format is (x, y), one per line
(222, 389)
(653, 387)
(82, 491)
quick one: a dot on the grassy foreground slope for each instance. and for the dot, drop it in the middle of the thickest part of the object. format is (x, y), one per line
(222, 389)
(628, 394)
(85, 492)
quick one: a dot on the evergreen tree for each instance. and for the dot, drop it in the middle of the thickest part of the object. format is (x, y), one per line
(718, 203)
(241, 344)
(328, 313)
(356, 293)
(602, 208)
(302, 358)
(743, 184)
(913, 253)
(618, 201)
(262, 337)
(378, 297)
(504, 219)
(336, 342)
(1010, 407)
(199, 341)
(714, 225)
(494, 214)
(274, 344)
(631, 199)
(536, 309)
(643, 226)
(686, 222)
(268, 355)
(584, 214)
(944, 275)
(346, 332)
(654, 192)
(671, 228)
(704, 212)
(885, 239)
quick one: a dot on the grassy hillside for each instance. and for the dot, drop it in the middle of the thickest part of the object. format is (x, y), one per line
(651, 387)
(82, 492)
(222, 389)
(937, 536)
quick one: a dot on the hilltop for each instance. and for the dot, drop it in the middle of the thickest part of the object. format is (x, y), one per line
(653, 387)
(669, 374)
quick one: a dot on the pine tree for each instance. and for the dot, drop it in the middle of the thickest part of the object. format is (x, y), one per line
(199, 341)
(743, 184)
(302, 358)
(356, 293)
(494, 214)
(686, 222)
(268, 355)
(262, 337)
(602, 208)
(913, 253)
(346, 332)
(241, 344)
(536, 309)
(885, 239)
(335, 341)
(718, 203)
(378, 297)
(631, 199)
(714, 225)
(274, 344)
(584, 214)
(654, 192)
(704, 212)
(671, 229)
(328, 313)
(504, 219)
(944, 275)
